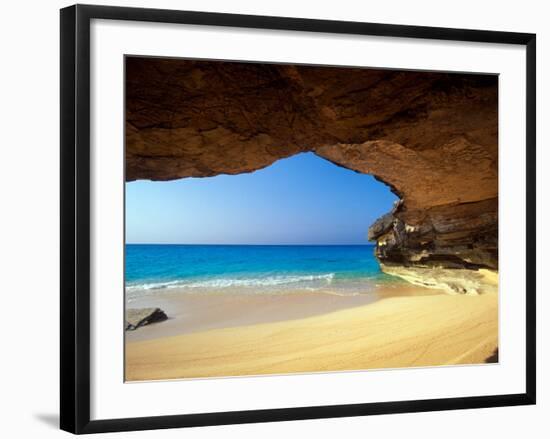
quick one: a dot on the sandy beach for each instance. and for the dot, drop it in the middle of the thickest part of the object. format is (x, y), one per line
(233, 335)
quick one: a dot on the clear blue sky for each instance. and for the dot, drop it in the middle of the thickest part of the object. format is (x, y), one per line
(299, 200)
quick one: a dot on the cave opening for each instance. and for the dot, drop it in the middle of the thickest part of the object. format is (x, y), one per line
(300, 200)
(432, 137)
(300, 223)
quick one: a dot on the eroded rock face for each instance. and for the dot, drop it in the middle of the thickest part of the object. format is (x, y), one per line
(432, 137)
(452, 281)
(452, 236)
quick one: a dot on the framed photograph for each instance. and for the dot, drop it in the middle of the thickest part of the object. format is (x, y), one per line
(268, 219)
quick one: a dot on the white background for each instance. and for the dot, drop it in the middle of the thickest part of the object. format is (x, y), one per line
(29, 188)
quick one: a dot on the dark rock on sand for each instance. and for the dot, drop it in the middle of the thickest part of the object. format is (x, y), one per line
(136, 317)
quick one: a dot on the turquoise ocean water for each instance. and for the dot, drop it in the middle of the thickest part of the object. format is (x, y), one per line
(349, 269)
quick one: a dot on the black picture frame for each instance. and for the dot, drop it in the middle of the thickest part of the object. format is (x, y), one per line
(75, 217)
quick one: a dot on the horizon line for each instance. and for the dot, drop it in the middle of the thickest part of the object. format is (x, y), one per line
(273, 245)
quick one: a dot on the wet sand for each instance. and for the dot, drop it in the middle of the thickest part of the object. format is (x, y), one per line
(218, 335)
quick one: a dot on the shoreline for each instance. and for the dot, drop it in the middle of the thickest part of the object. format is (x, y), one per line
(196, 311)
(311, 332)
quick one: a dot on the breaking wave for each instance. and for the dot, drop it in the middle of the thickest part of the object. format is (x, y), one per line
(265, 281)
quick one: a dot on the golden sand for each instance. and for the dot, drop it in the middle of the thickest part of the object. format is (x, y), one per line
(401, 331)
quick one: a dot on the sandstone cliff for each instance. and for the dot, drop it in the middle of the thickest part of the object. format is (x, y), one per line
(432, 137)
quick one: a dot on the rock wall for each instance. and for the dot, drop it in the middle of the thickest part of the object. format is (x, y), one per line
(432, 137)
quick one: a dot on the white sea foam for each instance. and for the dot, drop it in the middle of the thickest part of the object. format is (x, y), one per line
(267, 281)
